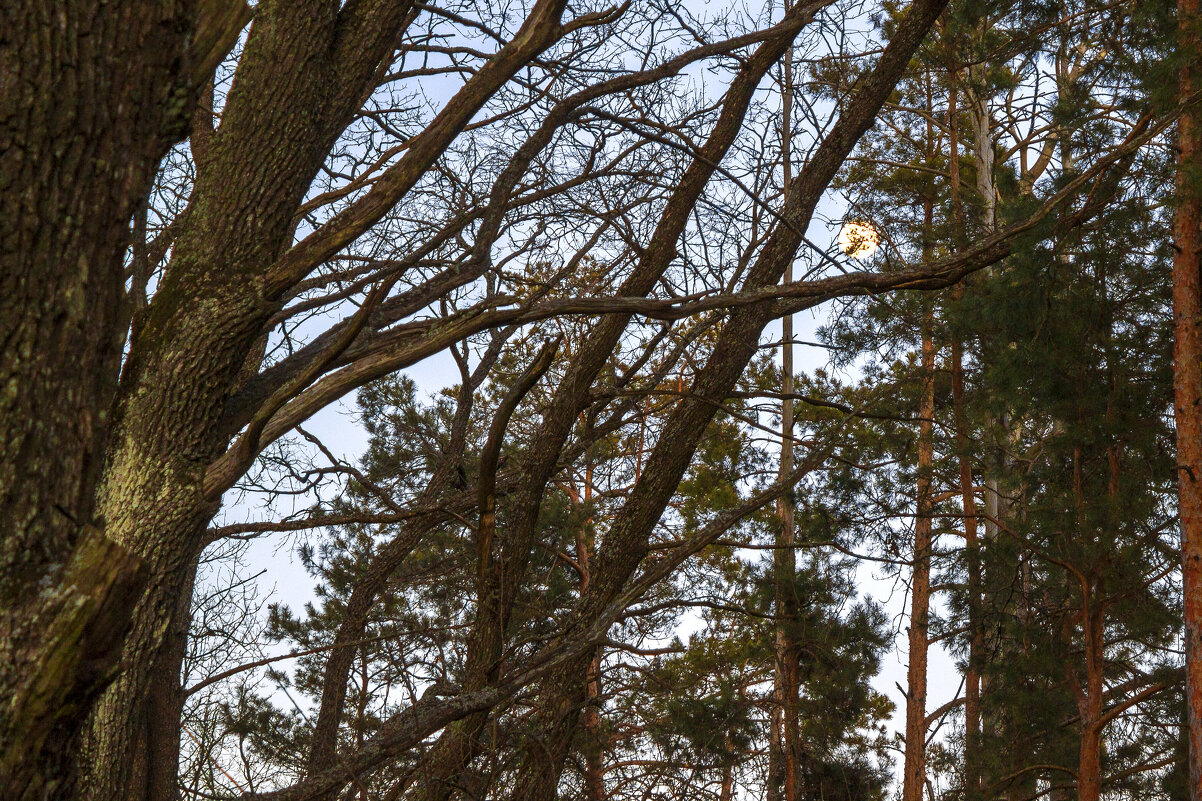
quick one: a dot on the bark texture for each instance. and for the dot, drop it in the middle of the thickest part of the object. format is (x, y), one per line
(91, 96)
(1187, 375)
(197, 335)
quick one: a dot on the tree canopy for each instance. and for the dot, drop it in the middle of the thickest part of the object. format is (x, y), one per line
(621, 518)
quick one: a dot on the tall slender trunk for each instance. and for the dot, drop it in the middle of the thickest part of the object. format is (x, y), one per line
(728, 784)
(914, 771)
(594, 753)
(914, 768)
(1090, 702)
(968, 500)
(972, 551)
(983, 156)
(1187, 375)
(996, 426)
(787, 668)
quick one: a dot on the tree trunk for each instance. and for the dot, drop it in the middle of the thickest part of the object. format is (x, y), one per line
(1187, 377)
(726, 793)
(594, 745)
(968, 499)
(914, 771)
(498, 587)
(787, 669)
(630, 529)
(1090, 702)
(546, 752)
(1089, 768)
(198, 333)
(972, 551)
(93, 95)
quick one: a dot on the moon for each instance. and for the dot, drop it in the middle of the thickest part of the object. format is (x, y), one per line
(858, 240)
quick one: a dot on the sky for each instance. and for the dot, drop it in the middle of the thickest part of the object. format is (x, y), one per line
(284, 580)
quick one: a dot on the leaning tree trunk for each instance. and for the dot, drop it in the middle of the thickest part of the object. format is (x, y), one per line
(191, 348)
(627, 542)
(1187, 377)
(91, 96)
(458, 745)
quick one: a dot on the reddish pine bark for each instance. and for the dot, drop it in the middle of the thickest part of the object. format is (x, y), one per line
(1187, 380)
(1090, 698)
(914, 772)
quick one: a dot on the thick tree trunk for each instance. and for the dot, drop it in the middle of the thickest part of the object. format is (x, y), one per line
(1187, 376)
(1089, 767)
(91, 96)
(546, 751)
(914, 771)
(198, 333)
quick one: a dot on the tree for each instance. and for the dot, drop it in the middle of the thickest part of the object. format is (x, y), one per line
(95, 93)
(311, 188)
(1187, 382)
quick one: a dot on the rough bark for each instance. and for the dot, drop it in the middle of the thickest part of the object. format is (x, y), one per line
(91, 96)
(303, 73)
(1187, 375)
(542, 767)
(197, 335)
(594, 742)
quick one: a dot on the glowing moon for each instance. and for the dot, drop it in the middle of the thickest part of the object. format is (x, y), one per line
(858, 240)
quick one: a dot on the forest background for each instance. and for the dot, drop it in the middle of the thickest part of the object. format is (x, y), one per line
(470, 401)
